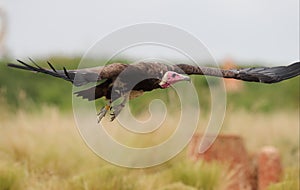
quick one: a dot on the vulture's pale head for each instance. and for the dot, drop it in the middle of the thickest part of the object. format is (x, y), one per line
(171, 77)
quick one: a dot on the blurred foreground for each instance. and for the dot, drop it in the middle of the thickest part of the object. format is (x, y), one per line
(45, 151)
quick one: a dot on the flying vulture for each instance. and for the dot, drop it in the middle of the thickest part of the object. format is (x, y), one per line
(128, 81)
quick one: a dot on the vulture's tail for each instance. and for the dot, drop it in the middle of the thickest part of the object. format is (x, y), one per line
(268, 74)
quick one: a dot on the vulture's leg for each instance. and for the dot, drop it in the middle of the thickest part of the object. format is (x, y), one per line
(103, 111)
(117, 109)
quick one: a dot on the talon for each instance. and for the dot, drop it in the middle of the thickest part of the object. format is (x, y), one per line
(117, 109)
(102, 113)
(113, 117)
(100, 116)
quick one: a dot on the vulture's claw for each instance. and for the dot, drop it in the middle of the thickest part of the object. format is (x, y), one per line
(117, 109)
(102, 113)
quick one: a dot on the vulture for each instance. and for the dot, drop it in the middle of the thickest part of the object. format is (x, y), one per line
(127, 81)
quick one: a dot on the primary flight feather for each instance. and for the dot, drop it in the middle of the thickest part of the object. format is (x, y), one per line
(131, 80)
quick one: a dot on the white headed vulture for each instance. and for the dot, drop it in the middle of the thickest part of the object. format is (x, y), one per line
(131, 80)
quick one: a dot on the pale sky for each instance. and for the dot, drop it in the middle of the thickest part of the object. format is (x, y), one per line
(246, 30)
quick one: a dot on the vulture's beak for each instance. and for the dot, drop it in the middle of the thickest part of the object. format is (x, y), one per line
(186, 78)
(182, 77)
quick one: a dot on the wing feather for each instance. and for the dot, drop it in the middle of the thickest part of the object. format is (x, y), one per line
(81, 77)
(78, 77)
(268, 74)
(254, 74)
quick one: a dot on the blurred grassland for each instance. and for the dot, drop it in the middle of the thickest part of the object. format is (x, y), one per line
(35, 154)
(44, 151)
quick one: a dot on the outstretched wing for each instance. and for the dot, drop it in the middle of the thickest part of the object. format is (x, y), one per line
(83, 76)
(255, 74)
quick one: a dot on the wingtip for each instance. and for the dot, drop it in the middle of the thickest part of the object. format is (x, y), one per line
(51, 66)
(23, 63)
(20, 61)
(66, 72)
(32, 61)
(11, 65)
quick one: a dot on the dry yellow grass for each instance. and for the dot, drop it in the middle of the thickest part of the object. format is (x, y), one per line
(45, 151)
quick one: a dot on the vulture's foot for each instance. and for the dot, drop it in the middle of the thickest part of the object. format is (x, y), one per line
(102, 113)
(116, 111)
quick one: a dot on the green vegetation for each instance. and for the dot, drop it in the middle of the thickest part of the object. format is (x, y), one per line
(10, 177)
(26, 90)
(290, 181)
(185, 176)
(200, 175)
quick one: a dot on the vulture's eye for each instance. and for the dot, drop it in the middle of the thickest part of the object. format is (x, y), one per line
(173, 75)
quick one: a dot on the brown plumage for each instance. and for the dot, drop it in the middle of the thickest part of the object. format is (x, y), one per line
(121, 79)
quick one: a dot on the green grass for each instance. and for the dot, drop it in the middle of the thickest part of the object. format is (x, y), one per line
(289, 181)
(200, 175)
(267, 97)
(10, 177)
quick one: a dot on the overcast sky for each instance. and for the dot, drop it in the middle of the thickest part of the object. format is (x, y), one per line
(246, 30)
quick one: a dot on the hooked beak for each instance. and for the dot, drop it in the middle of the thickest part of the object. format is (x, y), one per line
(186, 78)
(183, 78)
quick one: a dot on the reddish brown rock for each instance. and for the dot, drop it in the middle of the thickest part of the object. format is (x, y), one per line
(269, 168)
(228, 149)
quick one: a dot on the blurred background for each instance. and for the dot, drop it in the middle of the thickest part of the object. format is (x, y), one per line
(265, 31)
(40, 147)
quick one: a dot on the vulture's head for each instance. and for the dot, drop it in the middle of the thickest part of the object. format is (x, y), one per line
(171, 77)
